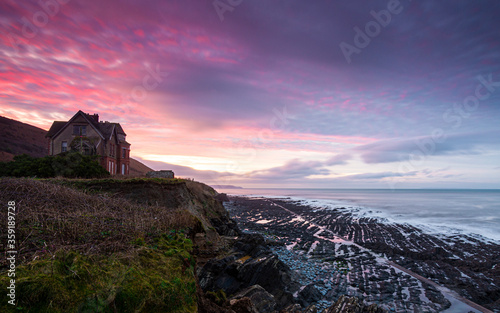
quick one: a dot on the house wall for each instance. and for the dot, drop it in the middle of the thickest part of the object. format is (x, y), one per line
(124, 161)
(160, 174)
(108, 149)
(109, 157)
(110, 164)
(67, 135)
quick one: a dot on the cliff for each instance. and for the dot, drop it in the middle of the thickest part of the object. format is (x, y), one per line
(81, 250)
(136, 245)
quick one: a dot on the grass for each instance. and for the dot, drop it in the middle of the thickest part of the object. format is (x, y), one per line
(142, 280)
(53, 216)
(115, 180)
(83, 252)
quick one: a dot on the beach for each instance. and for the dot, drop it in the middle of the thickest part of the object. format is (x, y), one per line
(398, 266)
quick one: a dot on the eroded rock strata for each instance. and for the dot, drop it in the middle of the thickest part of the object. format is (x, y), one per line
(332, 253)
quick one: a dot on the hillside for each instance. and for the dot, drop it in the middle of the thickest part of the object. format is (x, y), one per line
(18, 138)
(137, 168)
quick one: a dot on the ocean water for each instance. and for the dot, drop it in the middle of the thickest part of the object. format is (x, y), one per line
(437, 211)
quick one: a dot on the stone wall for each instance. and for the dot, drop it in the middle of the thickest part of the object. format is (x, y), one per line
(160, 174)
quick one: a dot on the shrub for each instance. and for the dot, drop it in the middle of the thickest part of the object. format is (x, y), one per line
(68, 164)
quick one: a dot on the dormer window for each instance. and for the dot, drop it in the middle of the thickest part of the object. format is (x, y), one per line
(80, 130)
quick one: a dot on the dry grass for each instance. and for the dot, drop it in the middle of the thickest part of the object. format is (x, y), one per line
(200, 188)
(51, 217)
(93, 252)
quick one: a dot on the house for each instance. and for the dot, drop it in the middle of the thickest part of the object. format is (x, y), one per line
(86, 134)
(160, 174)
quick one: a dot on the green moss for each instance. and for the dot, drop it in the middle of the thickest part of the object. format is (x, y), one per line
(138, 241)
(218, 297)
(144, 280)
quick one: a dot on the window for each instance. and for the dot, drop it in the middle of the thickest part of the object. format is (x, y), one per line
(124, 153)
(86, 150)
(123, 169)
(111, 150)
(64, 146)
(80, 130)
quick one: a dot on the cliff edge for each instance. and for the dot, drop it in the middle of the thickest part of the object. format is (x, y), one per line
(135, 245)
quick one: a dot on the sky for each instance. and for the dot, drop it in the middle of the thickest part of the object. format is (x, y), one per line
(291, 94)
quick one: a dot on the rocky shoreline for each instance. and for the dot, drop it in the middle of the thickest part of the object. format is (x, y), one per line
(331, 253)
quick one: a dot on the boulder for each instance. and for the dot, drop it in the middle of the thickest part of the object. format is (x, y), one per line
(250, 262)
(262, 300)
(242, 305)
(308, 295)
(222, 197)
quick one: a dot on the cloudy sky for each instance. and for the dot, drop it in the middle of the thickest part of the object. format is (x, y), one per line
(283, 93)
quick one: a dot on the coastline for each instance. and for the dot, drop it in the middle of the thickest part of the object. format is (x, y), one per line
(475, 211)
(330, 239)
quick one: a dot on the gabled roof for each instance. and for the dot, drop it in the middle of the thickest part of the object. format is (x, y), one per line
(55, 128)
(107, 130)
(104, 129)
(88, 118)
(119, 129)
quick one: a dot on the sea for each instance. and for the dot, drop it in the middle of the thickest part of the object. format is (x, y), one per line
(436, 211)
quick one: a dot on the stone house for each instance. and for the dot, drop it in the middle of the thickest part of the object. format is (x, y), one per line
(86, 134)
(161, 174)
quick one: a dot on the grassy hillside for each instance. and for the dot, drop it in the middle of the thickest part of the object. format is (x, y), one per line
(18, 138)
(138, 169)
(105, 245)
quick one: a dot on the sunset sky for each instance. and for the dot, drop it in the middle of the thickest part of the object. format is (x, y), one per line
(259, 93)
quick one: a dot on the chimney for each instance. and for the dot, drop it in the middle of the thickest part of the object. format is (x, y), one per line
(96, 118)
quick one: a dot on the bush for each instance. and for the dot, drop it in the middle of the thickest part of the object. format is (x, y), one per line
(68, 164)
